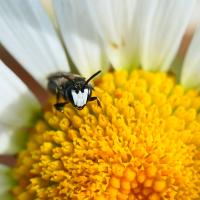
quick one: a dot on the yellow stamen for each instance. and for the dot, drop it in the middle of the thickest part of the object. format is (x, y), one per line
(142, 144)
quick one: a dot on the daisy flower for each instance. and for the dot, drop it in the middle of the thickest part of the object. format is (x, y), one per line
(142, 143)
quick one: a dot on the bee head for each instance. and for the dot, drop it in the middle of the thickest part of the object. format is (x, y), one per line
(79, 86)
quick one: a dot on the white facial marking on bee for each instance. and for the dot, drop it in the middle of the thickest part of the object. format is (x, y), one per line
(80, 98)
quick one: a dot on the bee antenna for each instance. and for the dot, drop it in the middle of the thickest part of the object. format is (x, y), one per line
(89, 79)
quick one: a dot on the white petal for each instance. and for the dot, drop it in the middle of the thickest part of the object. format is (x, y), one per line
(117, 23)
(6, 182)
(80, 37)
(18, 106)
(162, 35)
(195, 19)
(48, 6)
(190, 75)
(28, 35)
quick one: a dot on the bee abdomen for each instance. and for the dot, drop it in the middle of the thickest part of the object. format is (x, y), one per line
(56, 81)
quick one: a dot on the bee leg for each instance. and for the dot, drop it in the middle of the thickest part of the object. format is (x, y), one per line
(59, 106)
(97, 99)
(57, 95)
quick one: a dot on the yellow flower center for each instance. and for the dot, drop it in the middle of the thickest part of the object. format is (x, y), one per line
(142, 144)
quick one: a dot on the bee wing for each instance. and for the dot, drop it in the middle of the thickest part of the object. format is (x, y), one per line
(60, 79)
(64, 77)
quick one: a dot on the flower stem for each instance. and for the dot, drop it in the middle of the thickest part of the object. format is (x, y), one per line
(40, 92)
(7, 160)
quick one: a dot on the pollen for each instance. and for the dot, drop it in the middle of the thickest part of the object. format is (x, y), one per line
(142, 143)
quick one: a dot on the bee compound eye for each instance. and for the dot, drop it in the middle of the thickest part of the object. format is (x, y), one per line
(82, 90)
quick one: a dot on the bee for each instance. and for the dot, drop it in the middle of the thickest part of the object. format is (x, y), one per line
(73, 88)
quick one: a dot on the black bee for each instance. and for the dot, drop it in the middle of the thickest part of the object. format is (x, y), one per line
(73, 88)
